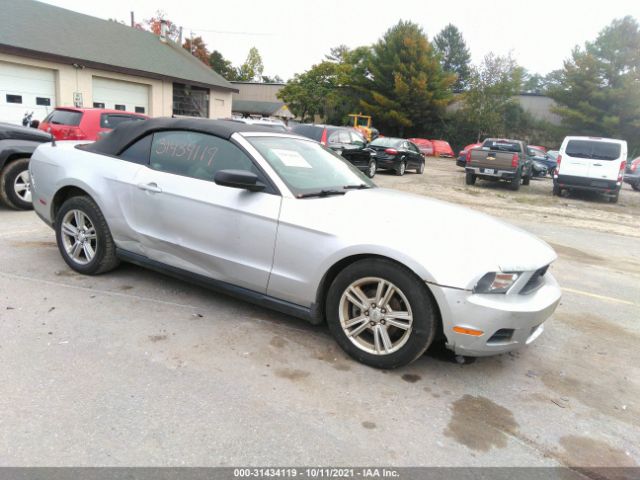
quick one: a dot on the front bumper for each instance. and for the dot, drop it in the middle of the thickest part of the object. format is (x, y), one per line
(508, 322)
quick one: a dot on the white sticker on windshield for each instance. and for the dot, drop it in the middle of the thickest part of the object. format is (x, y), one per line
(291, 158)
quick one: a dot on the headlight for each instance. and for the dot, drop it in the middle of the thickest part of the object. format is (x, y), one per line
(496, 282)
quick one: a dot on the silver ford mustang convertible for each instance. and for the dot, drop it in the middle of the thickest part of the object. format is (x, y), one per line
(283, 222)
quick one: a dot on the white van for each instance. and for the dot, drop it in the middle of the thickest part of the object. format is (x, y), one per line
(591, 163)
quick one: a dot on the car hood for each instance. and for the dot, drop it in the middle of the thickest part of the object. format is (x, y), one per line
(444, 243)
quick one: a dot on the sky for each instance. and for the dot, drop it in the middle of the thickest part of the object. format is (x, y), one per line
(292, 35)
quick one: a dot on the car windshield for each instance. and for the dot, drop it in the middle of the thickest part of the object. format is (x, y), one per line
(593, 149)
(502, 145)
(307, 167)
(386, 142)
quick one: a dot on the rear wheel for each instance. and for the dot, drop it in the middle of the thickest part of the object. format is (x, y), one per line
(557, 191)
(15, 185)
(373, 167)
(515, 181)
(83, 237)
(380, 313)
(526, 180)
(401, 168)
(470, 178)
(636, 186)
(614, 198)
(420, 168)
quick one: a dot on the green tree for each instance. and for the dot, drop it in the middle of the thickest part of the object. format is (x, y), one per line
(491, 95)
(252, 68)
(409, 91)
(454, 55)
(598, 90)
(221, 65)
(308, 94)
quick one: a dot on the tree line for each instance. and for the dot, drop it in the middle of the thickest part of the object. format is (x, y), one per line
(416, 87)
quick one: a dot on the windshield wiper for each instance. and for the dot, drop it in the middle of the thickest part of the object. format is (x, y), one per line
(321, 193)
(356, 187)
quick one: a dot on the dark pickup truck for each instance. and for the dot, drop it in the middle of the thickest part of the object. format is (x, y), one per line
(499, 159)
(16, 146)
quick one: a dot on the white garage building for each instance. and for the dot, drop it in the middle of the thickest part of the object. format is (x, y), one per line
(50, 56)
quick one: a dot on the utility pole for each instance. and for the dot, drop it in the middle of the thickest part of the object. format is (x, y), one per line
(133, 21)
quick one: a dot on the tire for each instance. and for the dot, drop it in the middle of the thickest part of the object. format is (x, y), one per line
(83, 212)
(636, 186)
(373, 167)
(420, 169)
(400, 346)
(15, 185)
(526, 180)
(515, 181)
(557, 191)
(470, 178)
(614, 198)
(401, 168)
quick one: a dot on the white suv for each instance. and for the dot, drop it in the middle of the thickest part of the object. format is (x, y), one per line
(591, 163)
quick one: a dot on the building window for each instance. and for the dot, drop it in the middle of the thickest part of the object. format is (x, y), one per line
(98, 105)
(190, 101)
(139, 110)
(14, 98)
(121, 107)
(43, 101)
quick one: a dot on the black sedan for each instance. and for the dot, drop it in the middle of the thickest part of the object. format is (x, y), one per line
(345, 141)
(397, 154)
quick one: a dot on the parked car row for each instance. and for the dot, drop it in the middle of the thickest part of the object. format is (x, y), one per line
(17, 144)
(383, 153)
(582, 163)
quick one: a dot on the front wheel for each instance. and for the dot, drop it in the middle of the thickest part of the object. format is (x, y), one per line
(401, 168)
(380, 313)
(83, 237)
(371, 170)
(15, 185)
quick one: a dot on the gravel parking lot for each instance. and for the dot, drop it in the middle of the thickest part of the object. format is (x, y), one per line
(134, 368)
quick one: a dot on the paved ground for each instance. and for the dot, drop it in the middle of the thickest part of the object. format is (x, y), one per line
(134, 368)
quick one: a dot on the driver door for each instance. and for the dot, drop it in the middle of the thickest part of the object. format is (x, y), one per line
(189, 222)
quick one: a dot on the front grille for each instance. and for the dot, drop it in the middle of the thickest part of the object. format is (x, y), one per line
(535, 282)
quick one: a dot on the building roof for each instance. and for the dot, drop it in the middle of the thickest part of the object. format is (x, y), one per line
(257, 107)
(40, 30)
(128, 132)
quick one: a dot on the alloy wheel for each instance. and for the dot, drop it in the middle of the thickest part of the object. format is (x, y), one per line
(375, 315)
(22, 186)
(79, 237)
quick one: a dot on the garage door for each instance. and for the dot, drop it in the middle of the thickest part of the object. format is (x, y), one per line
(120, 95)
(25, 89)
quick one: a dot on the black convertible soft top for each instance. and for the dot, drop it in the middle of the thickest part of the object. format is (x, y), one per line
(128, 132)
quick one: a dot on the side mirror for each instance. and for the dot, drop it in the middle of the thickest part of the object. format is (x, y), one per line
(239, 179)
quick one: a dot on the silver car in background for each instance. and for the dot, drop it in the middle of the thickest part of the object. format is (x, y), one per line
(283, 222)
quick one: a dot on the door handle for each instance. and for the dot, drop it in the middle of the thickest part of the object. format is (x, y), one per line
(150, 187)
